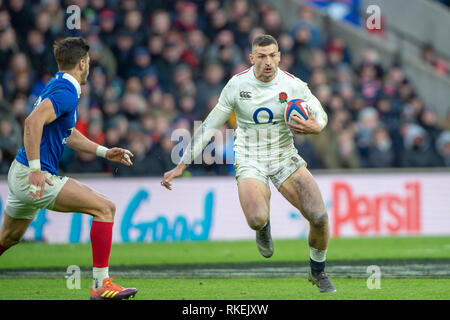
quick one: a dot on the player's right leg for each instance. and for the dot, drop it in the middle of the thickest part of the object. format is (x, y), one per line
(78, 197)
(254, 196)
(12, 231)
(19, 207)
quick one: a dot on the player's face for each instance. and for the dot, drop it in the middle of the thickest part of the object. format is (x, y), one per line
(265, 61)
(85, 70)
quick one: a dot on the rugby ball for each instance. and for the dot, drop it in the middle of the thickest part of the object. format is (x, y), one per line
(296, 109)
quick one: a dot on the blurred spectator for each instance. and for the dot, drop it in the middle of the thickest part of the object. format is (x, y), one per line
(271, 22)
(217, 21)
(211, 84)
(166, 66)
(85, 163)
(167, 109)
(306, 20)
(336, 144)
(10, 137)
(133, 24)
(8, 42)
(141, 63)
(418, 150)
(186, 17)
(429, 120)
(4, 164)
(439, 65)
(21, 16)
(443, 147)
(100, 55)
(133, 106)
(224, 51)
(308, 152)
(56, 16)
(107, 26)
(98, 85)
(381, 153)
(365, 127)
(123, 51)
(445, 123)
(160, 22)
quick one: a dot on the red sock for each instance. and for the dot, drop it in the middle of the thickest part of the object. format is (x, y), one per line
(101, 238)
(2, 249)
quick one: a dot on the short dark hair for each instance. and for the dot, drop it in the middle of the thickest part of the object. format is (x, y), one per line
(264, 40)
(69, 51)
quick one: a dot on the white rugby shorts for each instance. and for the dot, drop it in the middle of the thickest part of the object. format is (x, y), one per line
(277, 170)
(19, 204)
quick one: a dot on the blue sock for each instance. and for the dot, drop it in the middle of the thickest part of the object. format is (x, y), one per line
(316, 267)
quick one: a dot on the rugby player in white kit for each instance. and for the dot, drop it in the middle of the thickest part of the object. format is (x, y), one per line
(264, 148)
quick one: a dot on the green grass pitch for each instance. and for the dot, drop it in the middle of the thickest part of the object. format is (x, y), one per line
(417, 269)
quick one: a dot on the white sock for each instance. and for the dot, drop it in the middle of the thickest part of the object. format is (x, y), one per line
(317, 255)
(99, 274)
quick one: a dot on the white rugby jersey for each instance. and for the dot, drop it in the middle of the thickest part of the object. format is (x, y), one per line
(261, 130)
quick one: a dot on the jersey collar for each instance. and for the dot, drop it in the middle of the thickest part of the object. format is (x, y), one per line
(273, 81)
(73, 81)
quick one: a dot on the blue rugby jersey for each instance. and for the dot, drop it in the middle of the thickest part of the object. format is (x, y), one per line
(63, 90)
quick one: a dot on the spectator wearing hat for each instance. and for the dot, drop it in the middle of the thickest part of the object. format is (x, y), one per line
(417, 148)
(141, 63)
(123, 50)
(381, 152)
(171, 58)
(187, 17)
(107, 23)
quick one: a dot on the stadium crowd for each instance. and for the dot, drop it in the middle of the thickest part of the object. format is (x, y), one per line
(158, 65)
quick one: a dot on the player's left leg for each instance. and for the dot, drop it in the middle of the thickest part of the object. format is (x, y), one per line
(78, 197)
(302, 191)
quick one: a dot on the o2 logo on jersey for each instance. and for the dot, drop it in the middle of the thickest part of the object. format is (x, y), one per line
(264, 110)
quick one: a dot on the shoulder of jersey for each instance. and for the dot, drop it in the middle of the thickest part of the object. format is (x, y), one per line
(66, 84)
(239, 77)
(287, 74)
(242, 72)
(291, 77)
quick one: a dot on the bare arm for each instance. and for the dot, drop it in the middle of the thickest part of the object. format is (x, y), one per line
(79, 142)
(215, 119)
(34, 124)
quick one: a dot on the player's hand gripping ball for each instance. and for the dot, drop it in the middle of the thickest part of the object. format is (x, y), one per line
(296, 109)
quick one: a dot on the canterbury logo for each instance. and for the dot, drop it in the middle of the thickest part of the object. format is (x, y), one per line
(109, 294)
(245, 95)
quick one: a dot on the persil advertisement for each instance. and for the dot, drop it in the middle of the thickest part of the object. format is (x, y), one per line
(199, 209)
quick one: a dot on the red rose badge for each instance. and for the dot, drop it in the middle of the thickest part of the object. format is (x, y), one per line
(282, 97)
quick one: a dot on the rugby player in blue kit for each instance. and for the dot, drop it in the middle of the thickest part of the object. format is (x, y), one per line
(33, 183)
